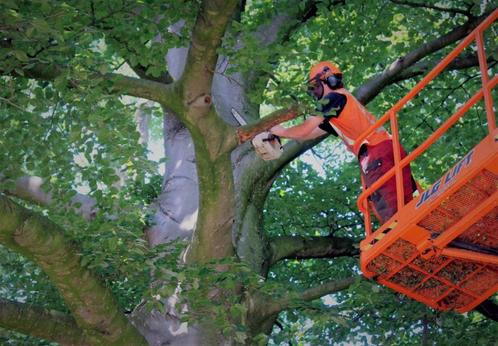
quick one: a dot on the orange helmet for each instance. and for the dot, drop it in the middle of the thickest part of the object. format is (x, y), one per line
(324, 69)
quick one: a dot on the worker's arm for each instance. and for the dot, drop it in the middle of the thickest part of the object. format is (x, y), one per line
(307, 130)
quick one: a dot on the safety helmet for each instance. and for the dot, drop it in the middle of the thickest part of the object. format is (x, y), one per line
(323, 72)
(324, 69)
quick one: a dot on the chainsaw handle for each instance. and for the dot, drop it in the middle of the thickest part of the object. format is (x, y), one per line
(272, 137)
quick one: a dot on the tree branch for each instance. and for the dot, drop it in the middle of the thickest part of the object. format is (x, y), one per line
(432, 7)
(29, 188)
(372, 87)
(141, 71)
(207, 33)
(292, 150)
(298, 247)
(261, 175)
(41, 323)
(121, 84)
(489, 309)
(92, 305)
(268, 307)
(421, 68)
(327, 288)
(309, 12)
(264, 309)
(147, 89)
(39, 71)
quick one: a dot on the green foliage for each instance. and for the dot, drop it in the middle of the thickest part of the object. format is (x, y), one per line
(46, 31)
(9, 338)
(361, 37)
(20, 280)
(305, 203)
(206, 292)
(366, 314)
(78, 137)
(208, 289)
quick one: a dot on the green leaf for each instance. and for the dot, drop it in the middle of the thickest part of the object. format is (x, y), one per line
(85, 261)
(20, 55)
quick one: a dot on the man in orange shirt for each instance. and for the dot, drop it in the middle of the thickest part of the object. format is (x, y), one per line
(344, 116)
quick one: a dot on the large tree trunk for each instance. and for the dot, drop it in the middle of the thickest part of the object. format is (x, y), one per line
(177, 207)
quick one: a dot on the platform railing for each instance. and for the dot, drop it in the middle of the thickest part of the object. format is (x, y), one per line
(391, 115)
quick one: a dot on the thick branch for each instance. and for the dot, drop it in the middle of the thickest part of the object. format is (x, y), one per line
(422, 68)
(121, 84)
(262, 173)
(371, 88)
(489, 309)
(292, 150)
(270, 307)
(41, 323)
(432, 7)
(326, 288)
(92, 305)
(147, 89)
(297, 247)
(164, 77)
(29, 188)
(208, 31)
(264, 309)
(40, 71)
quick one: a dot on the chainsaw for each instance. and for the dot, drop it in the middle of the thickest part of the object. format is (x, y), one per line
(267, 145)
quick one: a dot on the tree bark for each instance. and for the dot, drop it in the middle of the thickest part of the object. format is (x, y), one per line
(296, 247)
(91, 304)
(42, 323)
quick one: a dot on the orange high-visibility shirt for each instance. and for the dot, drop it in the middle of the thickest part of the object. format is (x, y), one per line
(353, 121)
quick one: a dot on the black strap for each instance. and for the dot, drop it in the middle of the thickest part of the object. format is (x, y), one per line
(332, 104)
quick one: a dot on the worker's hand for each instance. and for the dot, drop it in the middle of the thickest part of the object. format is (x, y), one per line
(278, 130)
(273, 137)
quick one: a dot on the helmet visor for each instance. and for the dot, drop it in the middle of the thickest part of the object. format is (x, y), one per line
(315, 88)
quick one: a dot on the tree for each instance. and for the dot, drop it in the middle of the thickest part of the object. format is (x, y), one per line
(102, 267)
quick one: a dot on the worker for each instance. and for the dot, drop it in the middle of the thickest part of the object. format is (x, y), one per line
(344, 116)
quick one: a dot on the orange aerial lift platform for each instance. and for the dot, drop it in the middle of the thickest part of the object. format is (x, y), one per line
(441, 248)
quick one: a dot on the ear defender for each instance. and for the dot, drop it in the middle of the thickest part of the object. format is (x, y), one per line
(333, 81)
